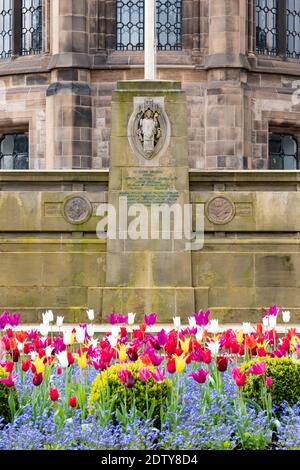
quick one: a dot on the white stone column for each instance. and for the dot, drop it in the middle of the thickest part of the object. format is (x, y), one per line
(150, 40)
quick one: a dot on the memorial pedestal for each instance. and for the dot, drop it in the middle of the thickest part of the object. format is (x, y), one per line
(149, 263)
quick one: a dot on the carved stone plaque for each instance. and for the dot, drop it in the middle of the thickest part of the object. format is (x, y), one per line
(148, 127)
(77, 210)
(220, 210)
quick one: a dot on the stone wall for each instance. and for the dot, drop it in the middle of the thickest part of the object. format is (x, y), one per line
(249, 261)
(48, 260)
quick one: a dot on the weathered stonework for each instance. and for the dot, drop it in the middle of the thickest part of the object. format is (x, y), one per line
(235, 99)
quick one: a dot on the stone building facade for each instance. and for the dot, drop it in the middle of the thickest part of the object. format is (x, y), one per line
(239, 64)
(238, 95)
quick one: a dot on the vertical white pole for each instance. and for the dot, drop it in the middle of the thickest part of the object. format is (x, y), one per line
(150, 43)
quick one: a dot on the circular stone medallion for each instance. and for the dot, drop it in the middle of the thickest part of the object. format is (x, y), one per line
(220, 210)
(77, 210)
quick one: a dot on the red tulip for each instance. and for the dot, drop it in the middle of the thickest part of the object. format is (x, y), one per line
(238, 376)
(54, 395)
(171, 367)
(222, 363)
(59, 371)
(9, 366)
(71, 359)
(26, 365)
(206, 356)
(37, 379)
(73, 402)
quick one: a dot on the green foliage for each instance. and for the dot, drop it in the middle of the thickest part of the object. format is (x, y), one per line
(149, 398)
(285, 374)
(8, 399)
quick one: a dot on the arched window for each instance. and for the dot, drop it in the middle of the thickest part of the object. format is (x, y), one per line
(278, 27)
(266, 27)
(130, 24)
(283, 152)
(21, 26)
(32, 25)
(5, 28)
(293, 28)
(14, 152)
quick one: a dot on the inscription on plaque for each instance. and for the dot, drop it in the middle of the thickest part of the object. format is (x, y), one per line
(244, 209)
(220, 210)
(150, 187)
(52, 209)
(77, 210)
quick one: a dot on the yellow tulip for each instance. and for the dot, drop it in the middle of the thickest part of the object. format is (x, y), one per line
(239, 336)
(122, 352)
(82, 360)
(294, 341)
(185, 345)
(39, 365)
(180, 362)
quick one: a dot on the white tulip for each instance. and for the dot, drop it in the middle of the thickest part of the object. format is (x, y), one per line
(63, 359)
(115, 331)
(67, 337)
(94, 343)
(33, 355)
(90, 330)
(80, 335)
(272, 321)
(91, 315)
(265, 321)
(199, 335)
(46, 321)
(214, 326)
(60, 322)
(192, 322)
(113, 341)
(44, 329)
(49, 315)
(177, 322)
(214, 347)
(286, 316)
(131, 317)
(246, 328)
(20, 346)
(49, 350)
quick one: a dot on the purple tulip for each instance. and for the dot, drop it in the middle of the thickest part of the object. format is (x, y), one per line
(200, 376)
(122, 318)
(145, 374)
(113, 318)
(150, 318)
(4, 319)
(158, 375)
(162, 337)
(156, 360)
(14, 319)
(202, 318)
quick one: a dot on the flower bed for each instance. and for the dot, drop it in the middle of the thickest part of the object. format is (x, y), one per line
(192, 387)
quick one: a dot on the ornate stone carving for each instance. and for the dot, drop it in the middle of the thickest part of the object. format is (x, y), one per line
(77, 210)
(220, 210)
(148, 127)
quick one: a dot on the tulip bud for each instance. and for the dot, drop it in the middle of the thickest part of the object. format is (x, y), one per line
(286, 316)
(91, 315)
(73, 402)
(54, 395)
